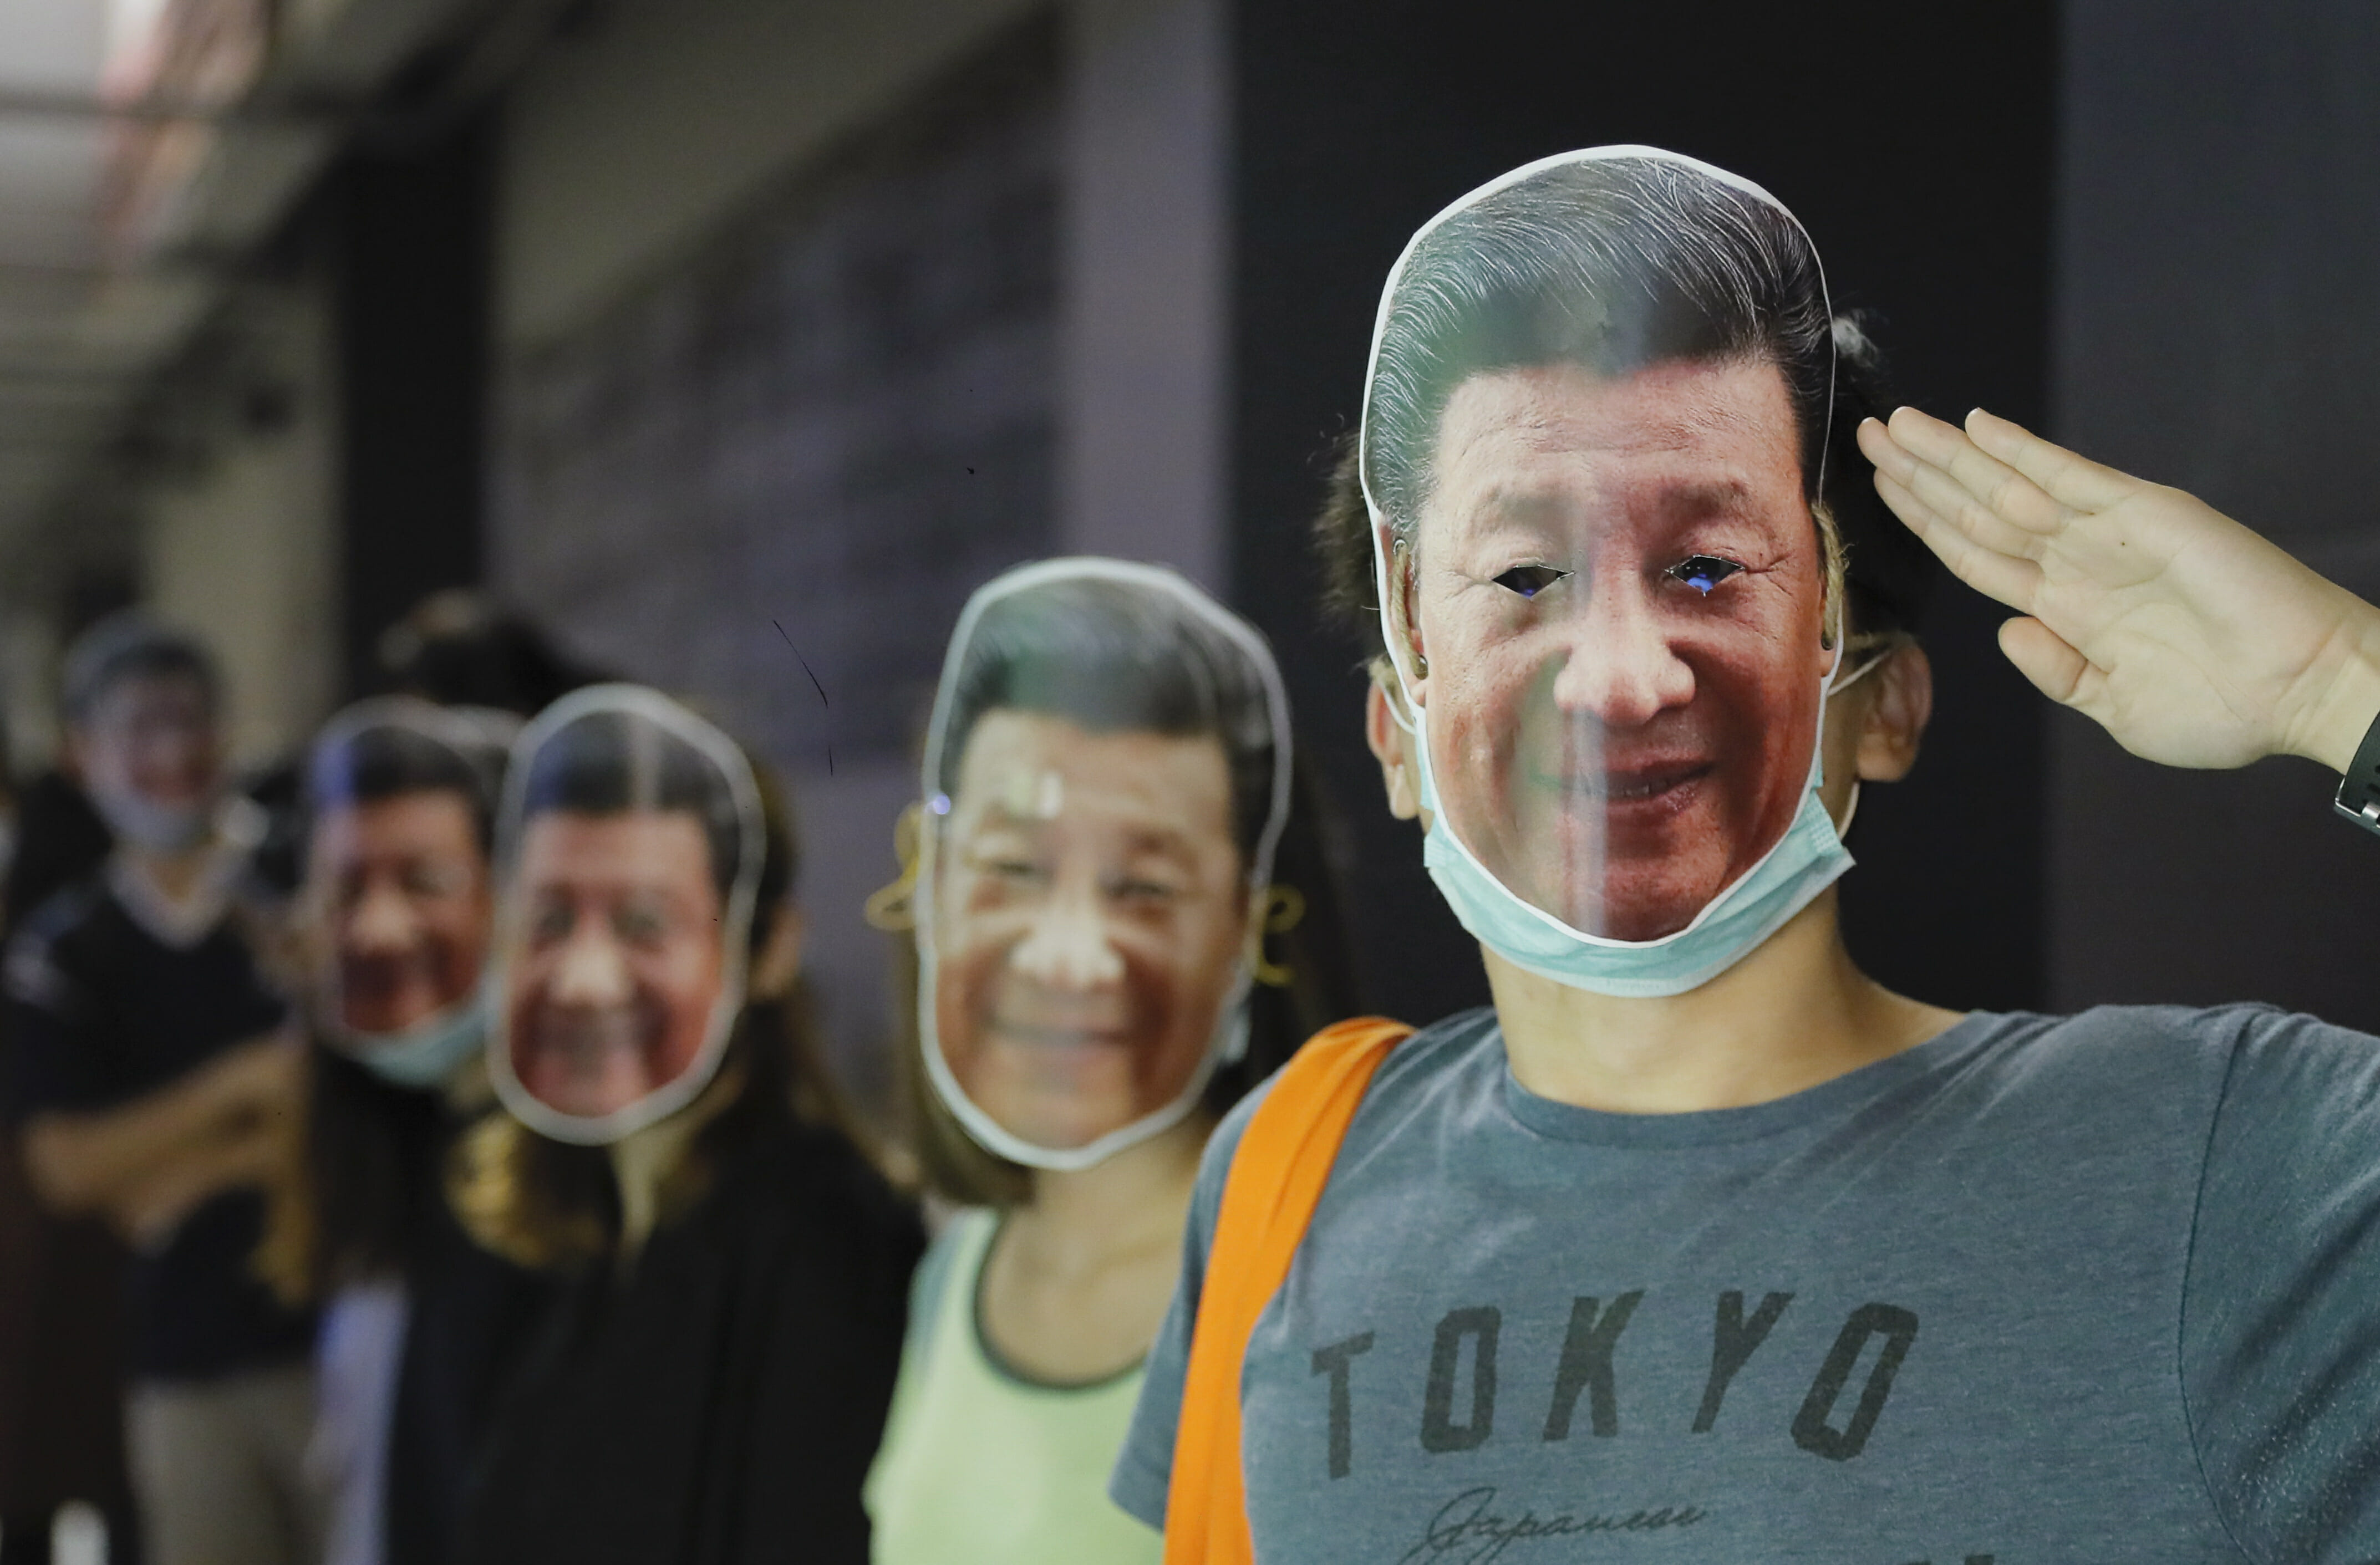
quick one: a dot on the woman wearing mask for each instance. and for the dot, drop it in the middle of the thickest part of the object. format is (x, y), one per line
(393, 918)
(730, 1270)
(1106, 782)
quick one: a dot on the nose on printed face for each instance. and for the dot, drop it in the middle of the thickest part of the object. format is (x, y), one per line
(1068, 946)
(384, 922)
(593, 972)
(1617, 666)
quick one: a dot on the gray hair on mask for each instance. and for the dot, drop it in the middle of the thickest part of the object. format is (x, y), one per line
(1610, 264)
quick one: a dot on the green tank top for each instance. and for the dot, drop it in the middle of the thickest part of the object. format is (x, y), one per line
(981, 1466)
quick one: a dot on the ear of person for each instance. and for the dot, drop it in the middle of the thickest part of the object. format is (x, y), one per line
(779, 963)
(1897, 704)
(1389, 740)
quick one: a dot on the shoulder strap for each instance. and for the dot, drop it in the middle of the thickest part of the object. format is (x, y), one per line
(1283, 1162)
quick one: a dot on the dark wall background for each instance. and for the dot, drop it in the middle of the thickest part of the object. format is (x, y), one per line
(414, 226)
(2217, 328)
(835, 414)
(1357, 119)
(792, 449)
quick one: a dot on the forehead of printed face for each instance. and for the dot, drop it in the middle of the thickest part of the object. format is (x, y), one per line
(1606, 266)
(611, 763)
(1111, 657)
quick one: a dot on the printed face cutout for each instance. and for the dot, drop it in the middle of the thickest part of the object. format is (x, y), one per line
(398, 892)
(631, 849)
(1605, 584)
(1618, 589)
(405, 892)
(1105, 779)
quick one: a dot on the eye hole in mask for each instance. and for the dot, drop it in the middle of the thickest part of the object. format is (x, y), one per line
(1530, 580)
(1704, 571)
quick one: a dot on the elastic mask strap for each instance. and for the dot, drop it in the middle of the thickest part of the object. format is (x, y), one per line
(1858, 674)
(1889, 643)
(1883, 653)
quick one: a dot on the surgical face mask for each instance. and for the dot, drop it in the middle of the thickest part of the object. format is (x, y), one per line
(428, 1054)
(1611, 607)
(629, 850)
(1085, 894)
(152, 827)
(1807, 859)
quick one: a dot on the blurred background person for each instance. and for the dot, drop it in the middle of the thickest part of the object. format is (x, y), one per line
(455, 647)
(61, 1277)
(1107, 783)
(61, 1358)
(418, 1322)
(712, 1379)
(458, 648)
(153, 1082)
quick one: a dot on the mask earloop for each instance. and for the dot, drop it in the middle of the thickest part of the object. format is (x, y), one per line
(1843, 827)
(1869, 667)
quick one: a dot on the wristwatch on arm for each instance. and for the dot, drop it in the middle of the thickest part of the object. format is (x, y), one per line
(2359, 795)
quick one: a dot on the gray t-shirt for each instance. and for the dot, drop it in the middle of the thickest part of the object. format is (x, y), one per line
(2094, 1289)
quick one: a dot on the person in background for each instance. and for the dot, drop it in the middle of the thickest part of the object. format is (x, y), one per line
(155, 1081)
(1107, 783)
(61, 1278)
(458, 648)
(730, 1270)
(453, 648)
(60, 838)
(394, 915)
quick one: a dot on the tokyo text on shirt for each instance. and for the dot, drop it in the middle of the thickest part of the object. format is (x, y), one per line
(2101, 1289)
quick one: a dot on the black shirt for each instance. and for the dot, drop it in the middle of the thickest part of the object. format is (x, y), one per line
(103, 1010)
(470, 1315)
(722, 1404)
(60, 840)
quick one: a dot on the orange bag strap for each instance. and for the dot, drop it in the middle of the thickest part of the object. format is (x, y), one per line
(1283, 1162)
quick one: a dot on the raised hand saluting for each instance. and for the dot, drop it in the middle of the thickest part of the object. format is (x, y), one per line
(2191, 639)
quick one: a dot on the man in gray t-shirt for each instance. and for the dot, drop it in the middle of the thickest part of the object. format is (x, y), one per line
(1702, 1246)
(2098, 1289)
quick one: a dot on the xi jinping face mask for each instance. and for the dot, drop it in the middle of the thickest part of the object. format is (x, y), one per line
(1105, 780)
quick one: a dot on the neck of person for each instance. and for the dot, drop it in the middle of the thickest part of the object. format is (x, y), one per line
(644, 1160)
(1079, 1220)
(178, 874)
(1792, 1014)
(468, 1090)
(1078, 1277)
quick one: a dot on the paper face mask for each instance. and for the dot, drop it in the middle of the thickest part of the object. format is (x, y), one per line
(629, 852)
(1106, 775)
(398, 893)
(1593, 444)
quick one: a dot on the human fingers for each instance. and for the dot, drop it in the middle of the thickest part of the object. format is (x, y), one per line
(2010, 578)
(2075, 480)
(1896, 478)
(1990, 482)
(1876, 443)
(1932, 506)
(2043, 656)
(1957, 503)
